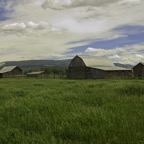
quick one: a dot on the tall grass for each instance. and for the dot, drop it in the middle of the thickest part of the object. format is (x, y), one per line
(47, 111)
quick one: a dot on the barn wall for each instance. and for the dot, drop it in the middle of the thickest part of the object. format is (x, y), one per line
(77, 73)
(120, 73)
(88, 72)
(138, 70)
(98, 74)
(85, 73)
(93, 73)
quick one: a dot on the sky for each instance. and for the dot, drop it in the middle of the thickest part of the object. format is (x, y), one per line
(61, 29)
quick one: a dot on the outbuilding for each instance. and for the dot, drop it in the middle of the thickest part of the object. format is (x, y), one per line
(91, 67)
(10, 71)
(37, 74)
(138, 70)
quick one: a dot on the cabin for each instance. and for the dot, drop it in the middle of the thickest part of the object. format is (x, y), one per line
(138, 70)
(91, 67)
(10, 71)
(37, 74)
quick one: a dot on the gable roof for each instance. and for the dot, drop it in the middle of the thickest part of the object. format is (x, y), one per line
(114, 68)
(7, 69)
(101, 63)
(92, 61)
(140, 63)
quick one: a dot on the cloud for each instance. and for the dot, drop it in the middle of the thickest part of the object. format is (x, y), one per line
(63, 4)
(129, 2)
(14, 26)
(33, 28)
(28, 46)
(130, 54)
(140, 56)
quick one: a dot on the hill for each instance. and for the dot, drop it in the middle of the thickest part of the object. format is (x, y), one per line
(124, 65)
(38, 64)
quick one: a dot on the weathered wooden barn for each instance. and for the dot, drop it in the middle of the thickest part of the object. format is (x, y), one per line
(10, 71)
(37, 74)
(138, 70)
(91, 67)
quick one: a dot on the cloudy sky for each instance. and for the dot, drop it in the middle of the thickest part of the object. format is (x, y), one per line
(60, 29)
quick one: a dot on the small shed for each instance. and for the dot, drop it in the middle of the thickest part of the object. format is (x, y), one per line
(37, 74)
(91, 67)
(10, 71)
(138, 70)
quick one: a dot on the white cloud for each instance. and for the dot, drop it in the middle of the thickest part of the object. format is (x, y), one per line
(23, 25)
(130, 2)
(14, 26)
(114, 36)
(140, 56)
(130, 54)
(62, 4)
(30, 28)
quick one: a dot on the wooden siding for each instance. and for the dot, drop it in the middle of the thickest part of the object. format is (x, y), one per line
(97, 74)
(138, 70)
(84, 73)
(117, 74)
(77, 73)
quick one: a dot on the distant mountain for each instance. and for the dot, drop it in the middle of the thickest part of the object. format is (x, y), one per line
(124, 65)
(51, 64)
(38, 64)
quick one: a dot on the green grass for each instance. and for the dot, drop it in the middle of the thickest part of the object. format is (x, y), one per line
(56, 111)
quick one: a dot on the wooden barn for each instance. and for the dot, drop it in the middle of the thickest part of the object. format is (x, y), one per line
(138, 70)
(10, 71)
(37, 74)
(91, 67)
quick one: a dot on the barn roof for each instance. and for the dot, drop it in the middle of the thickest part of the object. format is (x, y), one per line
(92, 61)
(7, 69)
(142, 63)
(35, 73)
(100, 63)
(114, 68)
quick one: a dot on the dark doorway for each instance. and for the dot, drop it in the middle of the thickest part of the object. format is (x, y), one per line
(0, 75)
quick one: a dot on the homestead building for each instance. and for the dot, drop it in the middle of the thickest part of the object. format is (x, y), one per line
(91, 67)
(10, 71)
(138, 70)
(37, 74)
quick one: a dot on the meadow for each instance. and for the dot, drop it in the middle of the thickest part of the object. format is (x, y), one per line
(60, 111)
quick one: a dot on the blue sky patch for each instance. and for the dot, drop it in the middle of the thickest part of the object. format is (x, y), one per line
(3, 14)
(135, 34)
(130, 29)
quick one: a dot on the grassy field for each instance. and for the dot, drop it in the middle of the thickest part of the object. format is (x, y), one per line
(53, 111)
